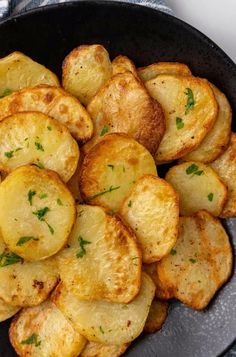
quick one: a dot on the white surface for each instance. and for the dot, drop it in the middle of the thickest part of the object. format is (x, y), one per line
(215, 18)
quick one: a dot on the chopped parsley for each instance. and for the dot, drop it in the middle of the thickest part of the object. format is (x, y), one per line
(6, 92)
(31, 194)
(179, 123)
(39, 165)
(193, 170)
(9, 258)
(42, 196)
(39, 146)
(50, 227)
(123, 169)
(193, 261)
(9, 154)
(59, 202)
(124, 307)
(49, 128)
(32, 340)
(40, 215)
(190, 101)
(18, 149)
(111, 167)
(210, 196)
(82, 243)
(104, 130)
(101, 329)
(173, 251)
(110, 189)
(130, 204)
(24, 240)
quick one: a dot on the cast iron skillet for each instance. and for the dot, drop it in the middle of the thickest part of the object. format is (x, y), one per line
(146, 36)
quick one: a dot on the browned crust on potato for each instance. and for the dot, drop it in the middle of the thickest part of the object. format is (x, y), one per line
(157, 315)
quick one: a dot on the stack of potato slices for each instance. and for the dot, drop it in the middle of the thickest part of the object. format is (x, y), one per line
(93, 243)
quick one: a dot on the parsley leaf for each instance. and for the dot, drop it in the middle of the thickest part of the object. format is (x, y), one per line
(9, 154)
(32, 340)
(82, 243)
(49, 128)
(179, 123)
(50, 227)
(193, 169)
(24, 240)
(31, 194)
(59, 202)
(173, 251)
(210, 196)
(39, 146)
(9, 258)
(6, 92)
(39, 165)
(101, 329)
(42, 196)
(111, 167)
(104, 130)
(40, 213)
(193, 261)
(190, 101)
(110, 189)
(130, 204)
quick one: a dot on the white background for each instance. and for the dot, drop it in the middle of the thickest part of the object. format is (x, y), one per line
(215, 18)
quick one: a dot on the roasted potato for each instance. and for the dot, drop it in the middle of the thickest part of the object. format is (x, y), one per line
(18, 71)
(85, 70)
(152, 211)
(200, 262)
(111, 168)
(35, 138)
(153, 70)
(162, 292)
(199, 187)
(122, 64)
(225, 166)
(217, 140)
(107, 322)
(6, 310)
(96, 349)
(157, 316)
(44, 331)
(37, 212)
(102, 260)
(54, 102)
(124, 106)
(73, 183)
(190, 109)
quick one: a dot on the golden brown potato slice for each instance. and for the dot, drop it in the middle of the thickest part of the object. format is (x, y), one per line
(225, 166)
(85, 70)
(111, 168)
(73, 183)
(162, 292)
(44, 331)
(190, 110)
(6, 310)
(54, 102)
(24, 283)
(157, 316)
(124, 106)
(37, 212)
(155, 69)
(152, 211)
(35, 138)
(122, 64)
(217, 140)
(18, 71)
(103, 260)
(96, 349)
(200, 262)
(107, 322)
(199, 187)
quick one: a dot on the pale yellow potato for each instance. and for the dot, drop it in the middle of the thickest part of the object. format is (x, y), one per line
(123, 105)
(107, 322)
(85, 70)
(200, 263)
(152, 211)
(122, 64)
(35, 138)
(96, 349)
(157, 316)
(199, 187)
(37, 212)
(19, 71)
(102, 260)
(190, 109)
(43, 331)
(54, 102)
(225, 166)
(155, 69)
(162, 292)
(6, 310)
(111, 168)
(24, 283)
(217, 140)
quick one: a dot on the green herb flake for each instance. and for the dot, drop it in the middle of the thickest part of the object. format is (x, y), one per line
(24, 240)
(18, 149)
(210, 196)
(193, 170)
(40, 213)
(173, 251)
(101, 329)
(130, 204)
(31, 194)
(110, 189)
(179, 123)
(59, 202)
(111, 167)
(39, 146)
(123, 169)
(193, 261)
(124, 307)
(42, 196)
(49, 128)
(39, 165)
(9, 258)
(32, 340)
(82, 243)
(104, 130)
(6, 92)
(50, 227)
(190, 101)
(9, 154)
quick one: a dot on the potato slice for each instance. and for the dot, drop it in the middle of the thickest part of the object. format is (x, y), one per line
(124, 106)
(162, 292)
(225, 166)
(44, 331)
(152, 211)
(95, 349)
(155, 69)
(23, 283)
(54, 102)
(37, 212)
(6, 310)
(103, 260)
(157, 316)
(200, 262)
(217, 140)
(111, 168)
(122, 64)
(107, 322)
(19, 71)
(85, 70)
(35, 138)
(190, 109)
(199, 187)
